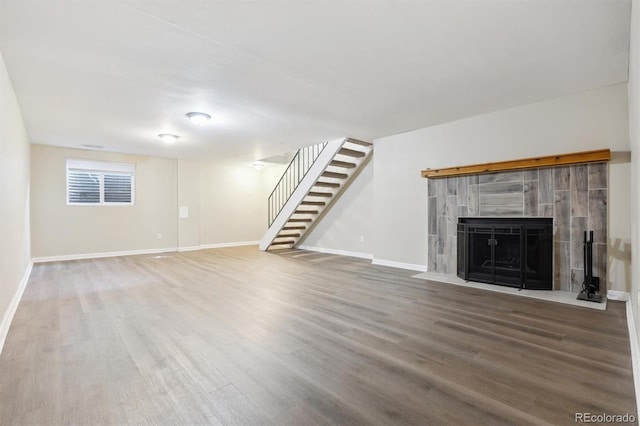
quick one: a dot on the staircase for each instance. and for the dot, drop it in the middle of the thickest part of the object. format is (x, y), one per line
(314, 179)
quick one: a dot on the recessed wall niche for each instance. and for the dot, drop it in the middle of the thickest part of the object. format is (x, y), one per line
(574, 196)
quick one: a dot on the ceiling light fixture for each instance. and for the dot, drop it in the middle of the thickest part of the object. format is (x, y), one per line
(168, 137)
(257, 165)
(198, 118)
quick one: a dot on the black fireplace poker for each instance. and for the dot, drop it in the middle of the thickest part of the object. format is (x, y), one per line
(591, 284)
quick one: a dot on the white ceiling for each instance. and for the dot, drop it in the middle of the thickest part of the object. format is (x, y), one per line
(277, 75)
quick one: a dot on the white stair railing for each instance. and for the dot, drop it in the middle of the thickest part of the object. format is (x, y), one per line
(291, 178)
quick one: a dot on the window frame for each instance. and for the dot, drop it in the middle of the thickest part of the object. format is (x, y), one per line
(101, 168)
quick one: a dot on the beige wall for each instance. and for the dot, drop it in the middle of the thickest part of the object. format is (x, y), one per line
(226, 205)
(634, 136)
(14, 197)
(348, 225)
(590, 120)
(233, 202)
(189, 197)
(619, 226)
(62, 230)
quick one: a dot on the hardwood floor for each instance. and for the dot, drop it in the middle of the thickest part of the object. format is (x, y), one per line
(239, 336)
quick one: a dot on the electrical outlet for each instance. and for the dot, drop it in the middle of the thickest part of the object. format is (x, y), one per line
(159, 236)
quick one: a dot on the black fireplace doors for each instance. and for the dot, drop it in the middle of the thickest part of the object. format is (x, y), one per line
(516, 252)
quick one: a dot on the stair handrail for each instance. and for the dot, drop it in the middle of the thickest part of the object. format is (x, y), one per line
(297, 169)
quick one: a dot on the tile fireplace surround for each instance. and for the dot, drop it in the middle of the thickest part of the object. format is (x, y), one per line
(574, 196)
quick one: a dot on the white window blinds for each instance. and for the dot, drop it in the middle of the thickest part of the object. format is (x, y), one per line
(100, 182)
(83, 187)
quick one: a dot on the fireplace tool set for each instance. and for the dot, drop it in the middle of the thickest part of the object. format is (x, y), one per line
(591, 284)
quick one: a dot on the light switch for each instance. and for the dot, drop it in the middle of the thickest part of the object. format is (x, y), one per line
(184, 212)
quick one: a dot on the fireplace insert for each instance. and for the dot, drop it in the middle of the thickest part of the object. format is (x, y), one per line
(516, 252)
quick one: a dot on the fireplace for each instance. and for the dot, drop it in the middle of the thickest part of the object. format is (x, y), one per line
(515, 252)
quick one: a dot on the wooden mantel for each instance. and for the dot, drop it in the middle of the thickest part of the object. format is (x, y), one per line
(526, 163)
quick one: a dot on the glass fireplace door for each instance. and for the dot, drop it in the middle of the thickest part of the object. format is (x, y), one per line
(480, 254)
(507, 255)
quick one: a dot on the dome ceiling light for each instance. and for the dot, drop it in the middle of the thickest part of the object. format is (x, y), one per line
(168, 137)
(198, 118)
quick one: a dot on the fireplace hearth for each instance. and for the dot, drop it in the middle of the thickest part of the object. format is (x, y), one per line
(515, 252)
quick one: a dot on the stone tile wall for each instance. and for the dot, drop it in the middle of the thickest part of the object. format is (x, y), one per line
(574, 196)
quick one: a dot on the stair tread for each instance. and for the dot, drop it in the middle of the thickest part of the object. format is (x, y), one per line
(306, 212)
(335, 175)
(291, 228)
(327, 184)
(279, 243)
(319, 194)
(300, 220)
(342, 164)
(288, 235)
(359, 142)
(351, 152)
(313, 203)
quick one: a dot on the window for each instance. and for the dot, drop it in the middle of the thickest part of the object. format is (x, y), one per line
(100, 182)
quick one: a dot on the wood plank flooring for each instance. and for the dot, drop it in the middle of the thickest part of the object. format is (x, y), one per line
(239, 336)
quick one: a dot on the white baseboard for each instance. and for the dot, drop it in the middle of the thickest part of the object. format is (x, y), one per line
(358, 254)
(635, 350)
(13, 306)
(99, 255)
(400, 265)
(189, 248)
(138, 252)
(617, 295)
(223, 245)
